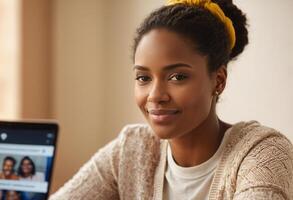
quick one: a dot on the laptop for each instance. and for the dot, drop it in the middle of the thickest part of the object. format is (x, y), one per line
(27, 151)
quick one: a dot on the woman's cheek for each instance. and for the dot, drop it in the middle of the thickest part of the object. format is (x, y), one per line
(140, 96)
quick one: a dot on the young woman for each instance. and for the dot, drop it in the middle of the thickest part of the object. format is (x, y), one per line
(27, 170)
(181, 53)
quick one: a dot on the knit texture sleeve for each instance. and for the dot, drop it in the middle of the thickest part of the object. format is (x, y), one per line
(266, 173)
(97, 179)
(260, 193)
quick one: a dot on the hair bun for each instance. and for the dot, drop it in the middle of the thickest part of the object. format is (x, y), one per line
(240, 25)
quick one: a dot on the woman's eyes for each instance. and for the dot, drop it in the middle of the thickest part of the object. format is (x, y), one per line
(174, 77)
(178, 77)
(143, 78)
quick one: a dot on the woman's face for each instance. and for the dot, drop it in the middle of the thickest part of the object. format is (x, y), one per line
(173, 87)
(26, 167)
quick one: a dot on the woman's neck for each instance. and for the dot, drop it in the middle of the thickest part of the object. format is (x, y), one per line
(200, 144)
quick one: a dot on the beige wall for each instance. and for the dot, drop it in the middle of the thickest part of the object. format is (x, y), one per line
(25, 61)
(10, 59)
(78, 84)
(36, 59)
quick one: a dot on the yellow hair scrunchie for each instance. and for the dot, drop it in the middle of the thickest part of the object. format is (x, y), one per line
(215, 10)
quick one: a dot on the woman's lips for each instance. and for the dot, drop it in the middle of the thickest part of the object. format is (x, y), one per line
(163, 116)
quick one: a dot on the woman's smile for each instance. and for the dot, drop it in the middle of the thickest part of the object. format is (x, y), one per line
(163, 116)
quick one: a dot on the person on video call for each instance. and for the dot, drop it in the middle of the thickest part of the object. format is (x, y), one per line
(27, 170)
(8, 171)
(181, 54)
(13, 195)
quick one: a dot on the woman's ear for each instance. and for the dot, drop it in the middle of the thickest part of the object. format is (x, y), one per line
(221, 78)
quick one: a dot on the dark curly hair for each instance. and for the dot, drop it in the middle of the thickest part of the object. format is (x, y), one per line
(207, 33)
(9, 158)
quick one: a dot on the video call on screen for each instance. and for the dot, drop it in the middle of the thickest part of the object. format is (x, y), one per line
(26, 158)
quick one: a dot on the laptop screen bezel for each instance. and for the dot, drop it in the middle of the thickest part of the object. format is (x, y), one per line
(37, 125)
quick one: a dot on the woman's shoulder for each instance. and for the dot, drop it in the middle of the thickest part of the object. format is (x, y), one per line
(262, 141)
(137, 128)
(133, 138)
(252, 139)
(139, 139)
(138, 133)
(265, 158)
(250, 134)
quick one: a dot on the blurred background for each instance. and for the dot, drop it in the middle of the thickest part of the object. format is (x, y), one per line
(70, 60)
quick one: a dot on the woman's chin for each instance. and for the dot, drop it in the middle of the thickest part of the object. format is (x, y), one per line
(164, 133)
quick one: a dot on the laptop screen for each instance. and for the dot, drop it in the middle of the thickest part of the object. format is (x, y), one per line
(26, 159)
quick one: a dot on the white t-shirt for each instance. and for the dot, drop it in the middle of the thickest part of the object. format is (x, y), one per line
(190, 183)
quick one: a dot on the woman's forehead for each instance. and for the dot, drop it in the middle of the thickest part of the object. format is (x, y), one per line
(163, 41)
(162, 47)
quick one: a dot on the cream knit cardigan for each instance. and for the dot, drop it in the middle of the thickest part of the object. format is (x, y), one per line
(256, 164)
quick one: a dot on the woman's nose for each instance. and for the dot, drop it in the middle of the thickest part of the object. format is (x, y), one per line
(158, 93)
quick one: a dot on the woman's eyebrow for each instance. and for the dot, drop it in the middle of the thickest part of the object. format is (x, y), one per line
(165, 68)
